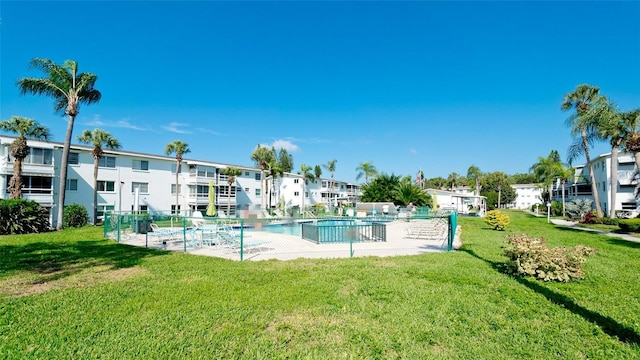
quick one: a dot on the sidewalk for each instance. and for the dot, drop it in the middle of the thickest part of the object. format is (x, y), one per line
(571, 224)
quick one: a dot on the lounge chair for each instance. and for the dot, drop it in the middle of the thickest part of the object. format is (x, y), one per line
(197, 220)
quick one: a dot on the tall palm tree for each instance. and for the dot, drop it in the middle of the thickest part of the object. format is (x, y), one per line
(632, 143)
(317, 172)
(546, 170)
(366, 169)
(305, 171)
(68, 90)
(261, 157)
(474, 173)
(452, 180)
(275, 170)
(331, 167)
(99, 139)
(26, 129)
(231, 173)
(617, 128)
(179, 148)
(585, 127)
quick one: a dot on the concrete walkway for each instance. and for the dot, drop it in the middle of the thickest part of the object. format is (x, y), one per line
(573, 225)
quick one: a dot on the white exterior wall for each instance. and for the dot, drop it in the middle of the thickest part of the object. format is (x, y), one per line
(527, 195)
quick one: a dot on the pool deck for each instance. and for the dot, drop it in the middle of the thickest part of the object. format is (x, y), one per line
(402, 239)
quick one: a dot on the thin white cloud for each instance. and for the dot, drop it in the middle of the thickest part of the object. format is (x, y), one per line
(127, 125)
(285, 144)
(176, 128)
(209, 131)
(124, 123)
(413, 151)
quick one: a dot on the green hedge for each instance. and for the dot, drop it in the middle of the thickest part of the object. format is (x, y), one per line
(19, 216)
(629, 225)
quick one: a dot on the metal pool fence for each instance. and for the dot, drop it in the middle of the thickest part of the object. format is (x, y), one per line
(284, 238)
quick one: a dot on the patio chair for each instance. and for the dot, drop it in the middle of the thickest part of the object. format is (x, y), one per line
(197, 220)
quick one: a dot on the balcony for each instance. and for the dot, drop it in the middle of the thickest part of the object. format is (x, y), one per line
(626, 177)
(28, 169)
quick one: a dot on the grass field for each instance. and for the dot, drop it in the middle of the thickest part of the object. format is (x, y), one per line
(72, 294)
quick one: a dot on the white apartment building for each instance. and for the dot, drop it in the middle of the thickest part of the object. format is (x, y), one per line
(580, 186)
(526, 195)
(129, 181)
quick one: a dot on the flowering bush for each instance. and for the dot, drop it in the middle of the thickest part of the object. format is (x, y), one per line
(497, 220)
(530, 256)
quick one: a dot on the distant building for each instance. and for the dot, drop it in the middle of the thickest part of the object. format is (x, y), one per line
(129, 181)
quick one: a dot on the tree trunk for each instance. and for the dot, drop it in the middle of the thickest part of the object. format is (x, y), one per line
(563, 210)
(229, 200)
(63, 171)
(594, 186)
(178, 187)
(636, 155)
(614, 181)
(15, 185)
(95, 190)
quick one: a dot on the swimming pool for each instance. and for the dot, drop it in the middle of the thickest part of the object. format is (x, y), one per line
(329, 231)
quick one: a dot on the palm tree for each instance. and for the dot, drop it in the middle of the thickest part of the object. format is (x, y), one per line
(305, 171)
(366, 169)
(474, 173)
(331, 167)
(179, 148)
(452, 179)
(98, 138)
(406, 192)
(617, 128)
(317, 172)
(632, 143)
(585, 127)
(231, 173)
(262, 156)
(275, 171)
(25, 128)
(565, 173)
(547, 170)
(68, 89)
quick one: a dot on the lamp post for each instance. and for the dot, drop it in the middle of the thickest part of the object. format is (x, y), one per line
(120, 198)
(548, 212)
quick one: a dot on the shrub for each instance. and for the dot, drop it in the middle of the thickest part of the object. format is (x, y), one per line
(591, 218)
(530, 256)
(579, 208)
(556, 208)
(610, 221)
(629, 225)
(497, 220)
(19, 216)
(75, 215)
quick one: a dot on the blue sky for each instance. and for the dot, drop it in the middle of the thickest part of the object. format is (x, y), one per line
(437, 86)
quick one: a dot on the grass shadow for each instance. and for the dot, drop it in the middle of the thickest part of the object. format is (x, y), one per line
(66, 258)
(610, 326)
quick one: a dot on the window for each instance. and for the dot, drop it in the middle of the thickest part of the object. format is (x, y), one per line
(40, 156)
(257, 192)
(246, 173)
(206, 171)
(173, 210)
(142, 165)
(173, 169)
(108, 186)
(74, 158)
(198, 190)
(34, 185)
(246, 189)
(295, 181)
(143, 187)
(173, 190)
(141, 208)
(257, 176)
(72, 184)
(238, 189)
(296, 193)
(102, 209)
(107, 162)
(306, 194)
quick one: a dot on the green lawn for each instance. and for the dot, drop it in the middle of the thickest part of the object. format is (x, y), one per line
(72, 294)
